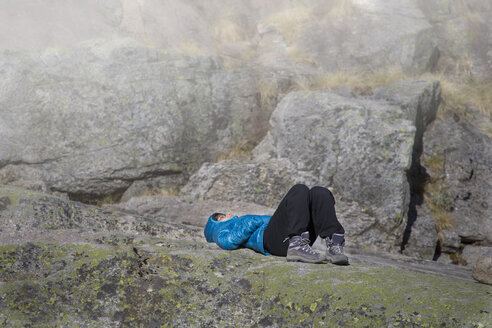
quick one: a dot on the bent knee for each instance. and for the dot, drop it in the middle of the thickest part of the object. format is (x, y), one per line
(318, 191)
(300, 188)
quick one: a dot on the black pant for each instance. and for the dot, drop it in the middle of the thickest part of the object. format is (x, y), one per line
(302, 209)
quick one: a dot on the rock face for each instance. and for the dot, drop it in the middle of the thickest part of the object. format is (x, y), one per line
(29, 216)
(362, 148)
(458, 159)
(69, 264)
(89, 121)
(244, 180)
(468, 23)
(364, 37)
(185, 209)
(423, 235)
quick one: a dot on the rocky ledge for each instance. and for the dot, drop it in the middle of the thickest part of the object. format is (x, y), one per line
(63, 263)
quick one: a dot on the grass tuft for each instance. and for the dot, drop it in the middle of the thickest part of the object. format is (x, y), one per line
(440, 204)
(290, 22)
(340, 10)
(268, 89)
(458, 94)
(188, 48)
(225, 31)
(435, 164)
(461, 93)
(241, 149)
(299, 55)
(354, 81)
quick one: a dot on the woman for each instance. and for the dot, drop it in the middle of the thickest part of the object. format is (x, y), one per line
(302, 216)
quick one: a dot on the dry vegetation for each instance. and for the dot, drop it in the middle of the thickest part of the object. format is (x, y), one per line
(241, 149)
(460, 89)
(228, 31)
(341, 9)
(457, 93)
(351, 80)
(436, 196)
(188, 48)
(268, 89)
(440, 204)
(291, 21)
(300, 55)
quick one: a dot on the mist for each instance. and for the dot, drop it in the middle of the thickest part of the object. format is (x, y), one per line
(124, 124)
(318, 35)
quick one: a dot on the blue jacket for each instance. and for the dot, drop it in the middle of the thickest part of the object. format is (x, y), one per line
(244, 231)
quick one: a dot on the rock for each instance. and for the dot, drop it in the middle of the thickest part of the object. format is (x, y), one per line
(461, 21)
(368, 39)
(482, 270)
(362, 229)
(423, 235)
(450, 241)
(472, 253)
(419, 100)
(360, 147)
(263, 183)
(35, 185)
(94, 267)
(154, 185)
(445, 258)
(95, 118)
(186, 209)
(30, 216)
(458, 158)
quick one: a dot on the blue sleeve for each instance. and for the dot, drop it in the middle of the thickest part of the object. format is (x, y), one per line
(238, 231)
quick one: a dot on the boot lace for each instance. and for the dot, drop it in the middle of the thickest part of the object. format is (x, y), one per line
(336, 249)
(304, 245)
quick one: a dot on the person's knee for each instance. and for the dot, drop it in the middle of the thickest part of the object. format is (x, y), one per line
(300, 187)
(322, 192)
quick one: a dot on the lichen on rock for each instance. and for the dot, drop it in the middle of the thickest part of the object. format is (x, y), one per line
(124, 276)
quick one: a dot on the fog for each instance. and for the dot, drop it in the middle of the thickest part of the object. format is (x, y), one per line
(327, 35)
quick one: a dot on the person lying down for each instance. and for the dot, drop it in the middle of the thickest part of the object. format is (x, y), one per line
(302, 216)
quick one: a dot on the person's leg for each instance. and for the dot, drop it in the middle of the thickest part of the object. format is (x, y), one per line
(325, 224)
(324, 218)
(291, 218)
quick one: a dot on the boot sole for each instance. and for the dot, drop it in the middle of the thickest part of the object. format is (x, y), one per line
(303, 259)
(338, 262)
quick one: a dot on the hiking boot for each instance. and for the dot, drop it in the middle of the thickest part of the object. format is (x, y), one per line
(334, 249)
(299, 250)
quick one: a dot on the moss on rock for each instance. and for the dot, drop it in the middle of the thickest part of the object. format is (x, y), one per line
(192, 284)
(116, 270)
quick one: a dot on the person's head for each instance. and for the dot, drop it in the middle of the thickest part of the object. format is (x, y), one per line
(221, 216)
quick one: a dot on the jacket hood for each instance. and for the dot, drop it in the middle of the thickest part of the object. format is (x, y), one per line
(209, 229)
(245, 231)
